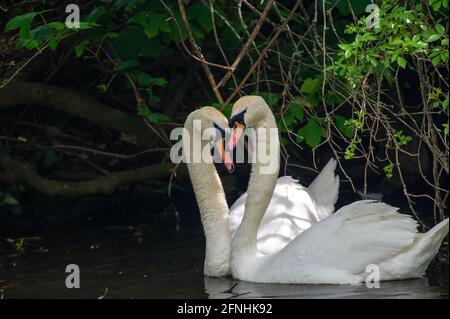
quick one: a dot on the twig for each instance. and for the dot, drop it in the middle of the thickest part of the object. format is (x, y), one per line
(263, 53)
(199, 53)
(247, 44)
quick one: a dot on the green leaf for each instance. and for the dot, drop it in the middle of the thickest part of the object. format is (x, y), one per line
(310, 86)
(96, 14)
(132, 42)
(436, 60)
(140, 18)
(152, 23)
(165, 27)
(58, 26)
(125, 65)
(313, 100)
(197, 31)
(144, 111)
(88, 25)
(158, 81)
(436, 5)
(29, 44)
(445, 103)
(158, 118)
(440, 28)
(341, 125)
(19, 21)
(52, 43)
(312, 133)
(177, 32)
(434, 37)
(388, 169)
(202, 14)
(102, 88)
(79, 49)
(22, 22)
(296, 111)
(401, 62)
(145, 79)
(151, 32)
(286, 122)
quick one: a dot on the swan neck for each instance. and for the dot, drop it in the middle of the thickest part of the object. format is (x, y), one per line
(213, 209)
(260, 188)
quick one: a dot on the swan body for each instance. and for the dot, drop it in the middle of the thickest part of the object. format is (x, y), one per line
(336, 250)
(293, 208)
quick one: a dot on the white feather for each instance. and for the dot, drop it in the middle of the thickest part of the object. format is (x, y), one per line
(338, 249)
(292, 209)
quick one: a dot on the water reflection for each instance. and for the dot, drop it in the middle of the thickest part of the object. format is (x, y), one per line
(412, 289)
(116, 265)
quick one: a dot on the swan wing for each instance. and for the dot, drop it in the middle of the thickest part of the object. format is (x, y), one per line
(359, 234)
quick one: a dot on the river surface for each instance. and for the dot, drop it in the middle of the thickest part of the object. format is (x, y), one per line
(144, 262)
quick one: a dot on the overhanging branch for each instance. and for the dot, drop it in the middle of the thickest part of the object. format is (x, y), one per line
(73, 103)
(106, 184)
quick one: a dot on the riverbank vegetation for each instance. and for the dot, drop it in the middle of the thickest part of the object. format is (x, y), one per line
(88, 111)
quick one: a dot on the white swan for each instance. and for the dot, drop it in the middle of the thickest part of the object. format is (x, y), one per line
(338, 249)
(293, 208)
(208, 190)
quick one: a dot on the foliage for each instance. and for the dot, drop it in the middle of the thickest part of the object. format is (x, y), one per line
(331, 80)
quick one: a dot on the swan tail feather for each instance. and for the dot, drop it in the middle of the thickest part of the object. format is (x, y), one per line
(429, 243)
(324, 189)
(414, 261)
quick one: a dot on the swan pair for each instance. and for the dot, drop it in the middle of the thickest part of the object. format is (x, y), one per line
(282, 232)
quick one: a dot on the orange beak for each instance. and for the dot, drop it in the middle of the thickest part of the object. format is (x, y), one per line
(225, 156)
(238, 129)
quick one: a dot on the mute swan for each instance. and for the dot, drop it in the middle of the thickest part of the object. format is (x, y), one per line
(307, 205)
(336, 250)
(209, 191)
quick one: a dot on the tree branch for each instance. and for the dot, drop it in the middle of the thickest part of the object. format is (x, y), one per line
(264, 52)
(199, 53)
(106, 184)
(73, 103)
(247, 44)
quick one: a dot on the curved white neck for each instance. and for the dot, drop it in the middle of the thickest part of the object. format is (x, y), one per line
(260, 190)
(214, 213)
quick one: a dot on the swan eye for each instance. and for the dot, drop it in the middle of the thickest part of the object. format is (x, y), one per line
(238, 118)
(221, 130)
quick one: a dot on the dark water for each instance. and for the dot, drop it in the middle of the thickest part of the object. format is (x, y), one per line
(141, 262)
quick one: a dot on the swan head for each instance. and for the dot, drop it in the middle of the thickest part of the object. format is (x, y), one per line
(213, 125)
(249, 111)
